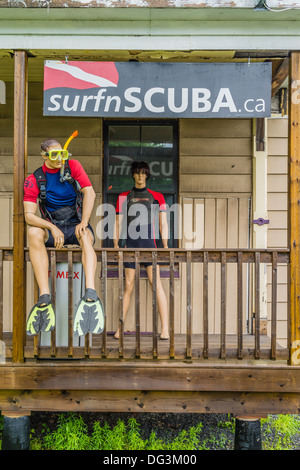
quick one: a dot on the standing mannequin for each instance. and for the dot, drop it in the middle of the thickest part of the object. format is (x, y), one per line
(142, 235)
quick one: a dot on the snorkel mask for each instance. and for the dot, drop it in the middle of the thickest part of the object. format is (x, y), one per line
(65, 155)
(55, 154)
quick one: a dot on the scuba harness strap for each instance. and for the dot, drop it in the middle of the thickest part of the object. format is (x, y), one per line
(63, 215)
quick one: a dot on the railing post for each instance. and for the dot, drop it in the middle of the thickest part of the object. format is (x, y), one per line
(137, 306)
(70, 303)
(188, 305)
(172, 306)
(294, 205)
(154, 304)
(104, 299)
(205, 305)
(20, 168)
(121, 311)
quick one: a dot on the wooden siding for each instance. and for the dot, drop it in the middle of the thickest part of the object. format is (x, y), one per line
(278, 215)
(215, 157)
(215, 179)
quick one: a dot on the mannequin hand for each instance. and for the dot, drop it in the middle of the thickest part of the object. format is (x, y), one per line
(58, 236)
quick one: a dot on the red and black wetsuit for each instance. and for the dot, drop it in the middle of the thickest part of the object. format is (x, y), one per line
(140, 208)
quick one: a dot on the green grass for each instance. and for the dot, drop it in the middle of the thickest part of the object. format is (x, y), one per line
(279, 432)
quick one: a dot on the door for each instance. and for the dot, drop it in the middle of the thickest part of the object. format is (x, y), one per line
(154, 142)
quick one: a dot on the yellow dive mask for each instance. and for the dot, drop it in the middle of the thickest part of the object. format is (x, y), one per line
(55, 153)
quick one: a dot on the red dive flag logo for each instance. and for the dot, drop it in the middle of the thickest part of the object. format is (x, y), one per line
(80, 75)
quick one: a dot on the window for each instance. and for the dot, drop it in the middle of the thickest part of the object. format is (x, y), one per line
(153, 142)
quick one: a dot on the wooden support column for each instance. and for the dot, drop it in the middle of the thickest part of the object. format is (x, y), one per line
(260, 213)
(294, 206)
(20, 166)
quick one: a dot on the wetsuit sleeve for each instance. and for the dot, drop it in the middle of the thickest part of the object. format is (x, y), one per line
(31, 190)
(122, 198)
(159, 198)
(162, 203)
(79, 174)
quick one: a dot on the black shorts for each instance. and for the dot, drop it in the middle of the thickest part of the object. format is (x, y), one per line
(139, 243)
(69, 233)
(131, 265)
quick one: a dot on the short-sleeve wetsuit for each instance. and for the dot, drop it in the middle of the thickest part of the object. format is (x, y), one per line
(140, 208)
(58, 195)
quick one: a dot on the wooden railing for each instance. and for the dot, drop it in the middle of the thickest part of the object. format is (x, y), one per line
(139, 345)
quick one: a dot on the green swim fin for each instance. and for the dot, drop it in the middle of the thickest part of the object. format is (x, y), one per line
(89, 316)
(41, 318)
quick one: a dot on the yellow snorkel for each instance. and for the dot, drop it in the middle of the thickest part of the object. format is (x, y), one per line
(62, 169)
(75, 134)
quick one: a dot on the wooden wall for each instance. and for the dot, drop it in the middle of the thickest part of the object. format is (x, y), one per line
(215, 191)
(215, 157)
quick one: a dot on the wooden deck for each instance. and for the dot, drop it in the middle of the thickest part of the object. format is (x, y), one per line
(95, 350)
(243, 388)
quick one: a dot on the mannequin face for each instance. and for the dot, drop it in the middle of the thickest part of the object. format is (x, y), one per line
(140, 179)
(53, 164)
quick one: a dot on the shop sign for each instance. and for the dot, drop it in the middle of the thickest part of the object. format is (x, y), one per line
(157, 90)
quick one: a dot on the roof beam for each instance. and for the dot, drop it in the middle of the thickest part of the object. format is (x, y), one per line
(280, 76)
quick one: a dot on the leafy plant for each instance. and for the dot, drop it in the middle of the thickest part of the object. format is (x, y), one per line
(278, 433)
(70, 435)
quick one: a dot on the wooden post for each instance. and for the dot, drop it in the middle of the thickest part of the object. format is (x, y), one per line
(294, 206)
(20, 167)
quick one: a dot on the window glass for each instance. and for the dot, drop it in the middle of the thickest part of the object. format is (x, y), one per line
(154, 143)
